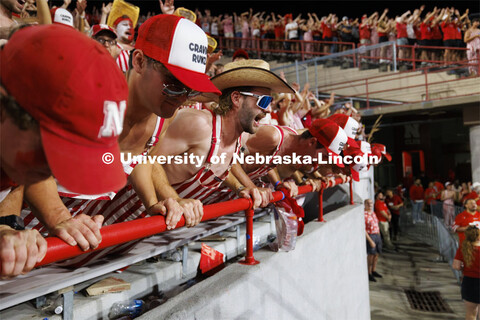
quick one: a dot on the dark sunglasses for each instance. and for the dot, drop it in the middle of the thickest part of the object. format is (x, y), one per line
(174, 90)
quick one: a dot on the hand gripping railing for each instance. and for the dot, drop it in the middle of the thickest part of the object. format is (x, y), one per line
(123, 232)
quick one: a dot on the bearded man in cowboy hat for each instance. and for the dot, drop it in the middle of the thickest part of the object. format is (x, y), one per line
(246, 88)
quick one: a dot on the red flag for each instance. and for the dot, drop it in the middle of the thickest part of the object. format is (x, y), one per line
(210, 258)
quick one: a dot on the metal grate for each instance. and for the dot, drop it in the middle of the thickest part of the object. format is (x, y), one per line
(429, 301)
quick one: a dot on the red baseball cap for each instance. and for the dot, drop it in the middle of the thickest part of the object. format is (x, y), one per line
(73, 88)
(61, 16)
(329, 134)
(240, 53)
(181, 46)
(348, 124)
(102, 27)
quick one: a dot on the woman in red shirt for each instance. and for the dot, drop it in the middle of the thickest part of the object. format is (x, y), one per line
(468, 257)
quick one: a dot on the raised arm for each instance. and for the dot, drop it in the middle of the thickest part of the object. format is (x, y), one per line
(43, 12)
(384, 14)
(168, 7)
(430, 15)
(105, 12)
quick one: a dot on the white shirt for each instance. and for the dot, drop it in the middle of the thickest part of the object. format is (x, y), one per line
(292, 30)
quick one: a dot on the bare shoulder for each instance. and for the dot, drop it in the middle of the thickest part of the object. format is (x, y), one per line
(193, 124)
(266, 137)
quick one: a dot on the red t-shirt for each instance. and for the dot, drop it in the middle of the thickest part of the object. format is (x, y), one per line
(401, 30)
(426, 32)
(418, 34)
(327, 30)
(436, 34)
(279, 32)
(448, 30)
(439, 187)
(365, 32)
(471, 195)
(462, 220)
(379, 207)
(416, 193)
(473, 271)
(430, 195)
(393, 201)
(458, 34)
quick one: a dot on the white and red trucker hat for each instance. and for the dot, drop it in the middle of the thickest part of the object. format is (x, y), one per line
(61, 16)
(329, 134)
(366, 147)
(78, 96)
(181, 46)
(348, 124)
(97, 28)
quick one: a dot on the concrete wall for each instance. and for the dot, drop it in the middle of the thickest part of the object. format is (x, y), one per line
(475, 152)
(325, 277)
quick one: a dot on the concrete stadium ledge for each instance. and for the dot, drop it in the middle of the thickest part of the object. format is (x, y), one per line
(327, 266)
(325, 277)
(146, 277)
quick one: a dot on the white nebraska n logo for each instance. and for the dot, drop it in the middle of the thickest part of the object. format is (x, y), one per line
(113, 120)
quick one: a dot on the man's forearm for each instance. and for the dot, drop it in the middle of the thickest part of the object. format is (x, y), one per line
(369, 239)
(385, 214)
(232, 182)
(241, 176)
(45, 203)
(162, 186)
(43, 12)
(142, 179)
(298, 177)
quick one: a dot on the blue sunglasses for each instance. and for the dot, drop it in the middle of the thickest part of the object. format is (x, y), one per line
(262, 101)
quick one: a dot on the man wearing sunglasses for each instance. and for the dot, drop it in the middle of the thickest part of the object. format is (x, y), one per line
(246, 88)
(167, 67)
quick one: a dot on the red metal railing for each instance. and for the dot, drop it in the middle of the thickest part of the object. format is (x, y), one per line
(414, 56)
(315, 48)
(136, 229)
(307, 49)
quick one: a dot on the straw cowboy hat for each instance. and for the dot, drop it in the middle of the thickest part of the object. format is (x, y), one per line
(250, 73)
(246, 73)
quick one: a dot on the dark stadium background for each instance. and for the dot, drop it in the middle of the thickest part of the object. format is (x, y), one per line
(341, 8)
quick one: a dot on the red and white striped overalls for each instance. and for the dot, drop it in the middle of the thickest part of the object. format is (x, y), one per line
(227, 194)
(122, 206)
(266, 167)
(205, 183)
(122, 59)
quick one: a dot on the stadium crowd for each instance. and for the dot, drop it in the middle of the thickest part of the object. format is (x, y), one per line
(436, 33)
(81, 89)
(62, 143)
